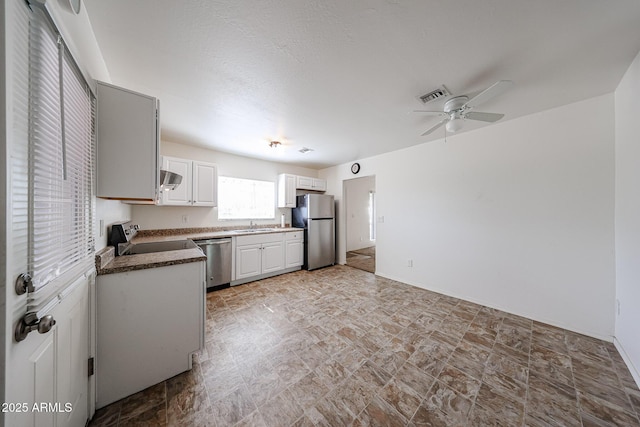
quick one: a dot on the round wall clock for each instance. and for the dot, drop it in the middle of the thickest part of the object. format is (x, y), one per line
(355, 168)
(75, 5)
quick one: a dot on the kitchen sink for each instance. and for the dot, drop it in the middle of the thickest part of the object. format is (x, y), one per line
(152, 247)
(253, 230)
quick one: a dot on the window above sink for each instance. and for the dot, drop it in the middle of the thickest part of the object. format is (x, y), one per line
(240, 198)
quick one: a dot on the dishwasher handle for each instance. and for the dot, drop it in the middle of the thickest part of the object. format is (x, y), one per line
(212, 242)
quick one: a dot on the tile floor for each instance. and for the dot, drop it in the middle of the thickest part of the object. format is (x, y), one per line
(340, 346)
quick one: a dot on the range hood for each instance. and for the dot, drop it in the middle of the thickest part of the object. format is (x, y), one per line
(169, 180)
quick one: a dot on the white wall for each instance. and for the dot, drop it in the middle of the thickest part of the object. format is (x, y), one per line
(107, 213)
(517, 215)
(356, 202)
(627, 217)
(160, 217)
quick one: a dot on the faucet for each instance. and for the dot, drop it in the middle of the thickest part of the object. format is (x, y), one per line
(251, 224)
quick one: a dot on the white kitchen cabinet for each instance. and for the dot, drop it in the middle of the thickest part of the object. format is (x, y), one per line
(199, 186)
(205, 184)
(287, 190)
(259, 254)
(288, 184)
(149, 323)
(248, 260)
(128, 141)
(181, 196)
(319, 184)
(309, 183)
(294, 249)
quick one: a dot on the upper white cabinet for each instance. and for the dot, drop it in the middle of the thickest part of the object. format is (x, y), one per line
(308, 183)
(286, 191)
(288, 184)
(199, 186)
(205, 184)
(128, 135)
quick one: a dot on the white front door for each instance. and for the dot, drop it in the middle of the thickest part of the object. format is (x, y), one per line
(45, 380)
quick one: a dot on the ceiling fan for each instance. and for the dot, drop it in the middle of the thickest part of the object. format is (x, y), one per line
(459, 108)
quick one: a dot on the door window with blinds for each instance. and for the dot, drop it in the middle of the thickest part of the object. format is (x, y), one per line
(59, 183)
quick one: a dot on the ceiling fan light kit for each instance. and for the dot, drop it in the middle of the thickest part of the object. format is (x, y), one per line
(459, 108)
(454, 125)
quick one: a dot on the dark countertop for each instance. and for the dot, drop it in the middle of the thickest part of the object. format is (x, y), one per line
(108, 263)
(150, 236)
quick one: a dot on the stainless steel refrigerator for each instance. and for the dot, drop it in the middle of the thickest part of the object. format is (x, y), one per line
(316, 214)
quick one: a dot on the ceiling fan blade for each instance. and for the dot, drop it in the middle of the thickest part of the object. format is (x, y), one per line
(436, 126)
(483, 117)
(430, 113)
(494, 90)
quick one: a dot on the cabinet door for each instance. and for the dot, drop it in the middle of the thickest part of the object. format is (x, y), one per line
(319, 184)
(304, 183)
(294, 253)
(248, 261)
(272, 256)
(181, 196)
(128, 155)
(286, 191)
(205, 184)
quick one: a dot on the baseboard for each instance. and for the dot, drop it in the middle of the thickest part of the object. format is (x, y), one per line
(627, 360)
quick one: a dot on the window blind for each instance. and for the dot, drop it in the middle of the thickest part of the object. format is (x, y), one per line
(61, 155)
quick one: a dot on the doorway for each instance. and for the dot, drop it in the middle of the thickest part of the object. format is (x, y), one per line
(360, 224)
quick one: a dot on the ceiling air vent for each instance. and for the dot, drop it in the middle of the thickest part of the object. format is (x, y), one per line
(436, 94)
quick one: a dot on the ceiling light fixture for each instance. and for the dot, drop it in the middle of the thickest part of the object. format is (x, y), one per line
(274, 144)
(305, 150)
(454, 125)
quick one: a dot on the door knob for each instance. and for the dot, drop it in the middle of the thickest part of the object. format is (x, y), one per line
(24, 284)
(30, 322)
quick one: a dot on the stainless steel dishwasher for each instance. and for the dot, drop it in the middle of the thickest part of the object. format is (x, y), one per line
(218, 252)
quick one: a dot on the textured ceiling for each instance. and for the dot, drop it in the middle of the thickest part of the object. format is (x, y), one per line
(341, 77)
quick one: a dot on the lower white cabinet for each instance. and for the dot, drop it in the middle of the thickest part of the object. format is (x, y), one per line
(149, 322)
(262, 255)
(294, 249)
(259, 254)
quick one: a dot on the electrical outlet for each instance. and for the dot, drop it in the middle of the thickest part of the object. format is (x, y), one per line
(410, 263)
(101, 227)
(381, 219)
(185, 219)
